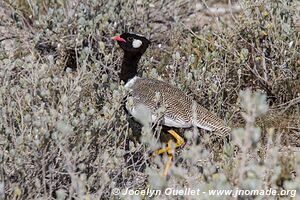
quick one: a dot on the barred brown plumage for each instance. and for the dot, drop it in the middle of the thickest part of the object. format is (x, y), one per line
(178, 106)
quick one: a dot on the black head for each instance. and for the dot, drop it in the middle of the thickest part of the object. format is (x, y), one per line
(132, 43)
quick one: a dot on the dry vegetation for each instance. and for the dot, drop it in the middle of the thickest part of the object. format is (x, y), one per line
(64, 132)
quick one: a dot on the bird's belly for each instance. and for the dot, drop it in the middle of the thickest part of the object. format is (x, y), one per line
(144, 115)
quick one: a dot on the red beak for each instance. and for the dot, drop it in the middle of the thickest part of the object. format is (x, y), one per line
(118, 38)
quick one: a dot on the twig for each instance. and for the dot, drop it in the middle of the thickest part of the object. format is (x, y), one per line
(7, 38)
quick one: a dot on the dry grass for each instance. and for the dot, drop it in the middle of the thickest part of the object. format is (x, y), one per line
(64, 132)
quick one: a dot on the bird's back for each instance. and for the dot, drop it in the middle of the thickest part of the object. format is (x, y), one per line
(180, 110)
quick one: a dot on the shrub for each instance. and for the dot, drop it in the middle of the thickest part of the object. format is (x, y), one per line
(63, 128)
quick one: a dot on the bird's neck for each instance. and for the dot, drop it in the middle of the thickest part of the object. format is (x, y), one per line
(129, 66)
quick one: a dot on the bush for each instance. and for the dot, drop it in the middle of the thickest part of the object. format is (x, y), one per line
(63, 128)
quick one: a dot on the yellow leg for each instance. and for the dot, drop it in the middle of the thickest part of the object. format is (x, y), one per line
(179, 139)
(179, 142)
(168, 164)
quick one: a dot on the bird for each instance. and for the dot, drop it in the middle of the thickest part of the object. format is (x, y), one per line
(181, 110)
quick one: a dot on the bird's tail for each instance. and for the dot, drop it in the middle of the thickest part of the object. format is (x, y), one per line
(208, 121)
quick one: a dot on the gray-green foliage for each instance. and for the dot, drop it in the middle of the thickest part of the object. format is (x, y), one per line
(63, 129)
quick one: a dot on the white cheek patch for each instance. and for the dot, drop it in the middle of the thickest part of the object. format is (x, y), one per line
(136, 43)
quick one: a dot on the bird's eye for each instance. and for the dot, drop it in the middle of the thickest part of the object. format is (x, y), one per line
(130, 39)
